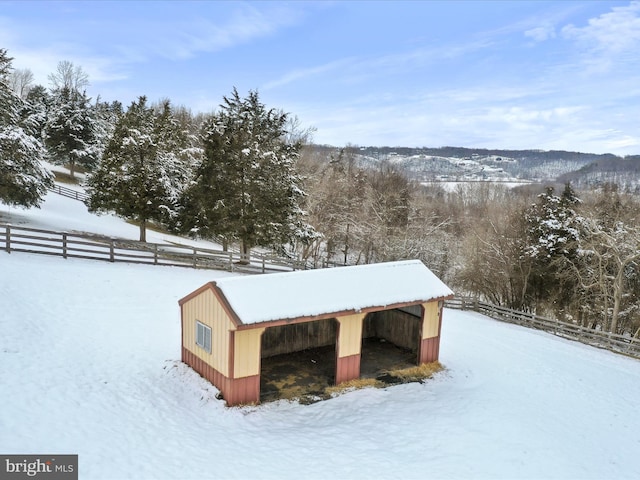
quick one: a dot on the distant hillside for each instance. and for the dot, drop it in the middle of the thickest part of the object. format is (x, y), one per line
(625, 172)
(467, 164)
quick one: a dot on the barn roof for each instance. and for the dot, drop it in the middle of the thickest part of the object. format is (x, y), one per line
(310, 293)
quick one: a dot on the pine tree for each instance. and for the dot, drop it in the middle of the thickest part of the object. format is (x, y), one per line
(106, 117)
(71, 130)
(23, 179)
(246, 188)
(142, 173)
(553, 234)
(35, 112)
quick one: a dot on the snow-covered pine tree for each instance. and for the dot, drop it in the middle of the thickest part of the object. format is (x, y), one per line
(106, 117)
(246, 187)
(179, 153)
(141, 172)
(71, 130)
(553, 234)
(23, 179)
(35, 112)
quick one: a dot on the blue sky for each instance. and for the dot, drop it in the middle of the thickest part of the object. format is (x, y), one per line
(506, 74)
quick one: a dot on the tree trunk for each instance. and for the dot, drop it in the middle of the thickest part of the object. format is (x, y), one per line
(618, 287)
(143, 230)
(245, 253)
(346, 245)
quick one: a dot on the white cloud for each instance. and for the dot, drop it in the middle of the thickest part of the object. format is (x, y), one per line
(610, 38)
(210, 33)
(303, 73)
(541, 33)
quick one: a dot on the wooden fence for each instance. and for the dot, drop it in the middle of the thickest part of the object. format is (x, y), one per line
(67, 192)
(97, 247)
(616, 343)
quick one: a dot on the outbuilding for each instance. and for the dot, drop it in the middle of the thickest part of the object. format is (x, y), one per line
(229, 325)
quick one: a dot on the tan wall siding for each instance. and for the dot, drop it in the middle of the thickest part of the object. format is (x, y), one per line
(206, 309)
(246, 356)
(350, 334)
(431, 321)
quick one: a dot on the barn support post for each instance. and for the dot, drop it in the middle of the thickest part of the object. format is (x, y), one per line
(349, 347)
(244, 384)
(429, 350)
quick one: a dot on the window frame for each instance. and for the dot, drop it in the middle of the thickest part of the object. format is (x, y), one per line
(204, 331)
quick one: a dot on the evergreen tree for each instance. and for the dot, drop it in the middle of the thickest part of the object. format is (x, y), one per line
(141, 175)
(71, 130)
(178, 153)
(106, 117)
(35, 112)
(245, 188)
(553, 235)
(23, 179)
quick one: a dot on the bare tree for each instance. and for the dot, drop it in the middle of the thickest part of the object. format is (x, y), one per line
(21, 81)
(609, 261)
(67, 75)
(296, 133)
(494, 265)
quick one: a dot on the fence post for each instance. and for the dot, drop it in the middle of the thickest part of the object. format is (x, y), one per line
(263, 269)
(112, 257)
(230, 261)
(155, 253)
(64, 245)
(8, 239)
(195, 258)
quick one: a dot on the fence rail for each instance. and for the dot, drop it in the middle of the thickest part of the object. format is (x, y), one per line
(96, 247)
(68, 192)
(610, 341)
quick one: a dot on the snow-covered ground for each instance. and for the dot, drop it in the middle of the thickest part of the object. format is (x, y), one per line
(65, 214)
(89, 364)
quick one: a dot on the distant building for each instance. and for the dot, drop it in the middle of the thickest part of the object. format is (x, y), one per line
(230, 324)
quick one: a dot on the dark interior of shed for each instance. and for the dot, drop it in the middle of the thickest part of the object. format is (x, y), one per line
(298, 361)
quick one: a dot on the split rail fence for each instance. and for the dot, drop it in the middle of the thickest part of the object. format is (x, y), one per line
(610, 341)
(97, 247)
(68, 192)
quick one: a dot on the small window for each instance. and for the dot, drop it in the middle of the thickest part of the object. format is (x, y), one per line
(203, 336)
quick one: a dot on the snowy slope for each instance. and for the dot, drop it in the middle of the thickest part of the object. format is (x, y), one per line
(89, 364)
(65, 214)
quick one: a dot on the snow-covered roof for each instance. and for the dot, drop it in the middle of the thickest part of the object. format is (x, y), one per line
(310, 293)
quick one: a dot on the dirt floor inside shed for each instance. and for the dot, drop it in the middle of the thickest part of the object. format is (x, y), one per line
(308, 375)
